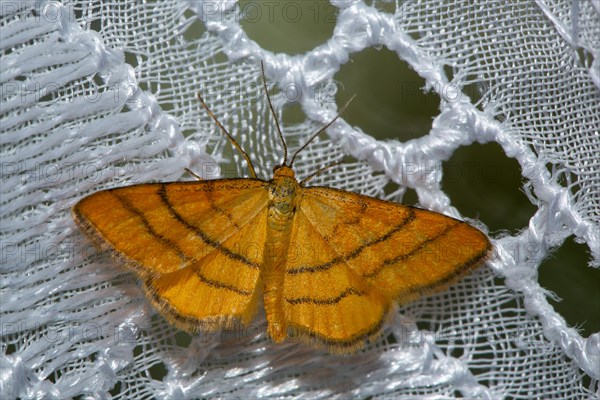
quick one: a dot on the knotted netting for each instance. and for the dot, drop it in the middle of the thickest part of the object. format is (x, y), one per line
(101, 94)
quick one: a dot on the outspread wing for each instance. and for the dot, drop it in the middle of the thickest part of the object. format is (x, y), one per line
(364, 254)
(160, 228)
(218, 290)
(329, 306)
(198, 246)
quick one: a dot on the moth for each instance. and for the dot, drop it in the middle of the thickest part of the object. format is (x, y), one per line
(327, 264)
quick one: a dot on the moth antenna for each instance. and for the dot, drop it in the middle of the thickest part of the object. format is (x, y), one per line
(321, 130)
(194, 174)
(264, 80)
(231, 139)
(317, 172)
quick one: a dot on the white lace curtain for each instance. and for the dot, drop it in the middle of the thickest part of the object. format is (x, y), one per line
(100, 94)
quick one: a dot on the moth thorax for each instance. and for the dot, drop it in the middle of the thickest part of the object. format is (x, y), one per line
(283, 198)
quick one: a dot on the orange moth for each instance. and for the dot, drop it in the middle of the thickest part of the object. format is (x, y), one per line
(327, 264)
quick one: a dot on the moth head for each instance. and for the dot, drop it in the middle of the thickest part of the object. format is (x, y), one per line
(283, 170)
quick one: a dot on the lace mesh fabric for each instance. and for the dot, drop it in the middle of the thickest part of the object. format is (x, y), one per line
(100, 94)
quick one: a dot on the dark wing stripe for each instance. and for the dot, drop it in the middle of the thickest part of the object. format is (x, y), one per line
(406, 256)
(205, 238)
(333, 300)
(354, 221)
(165, 241)
(218, 209)
(357, 251)
(222, 285)
(193, 324)
(358, 338)
(472, 262)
